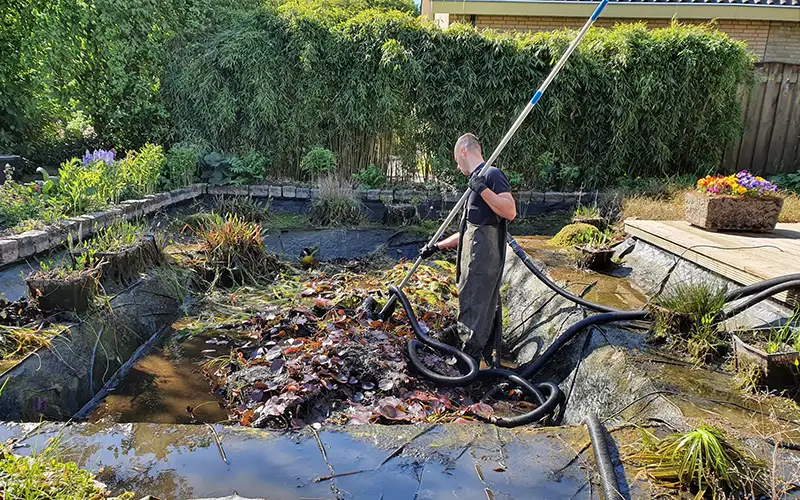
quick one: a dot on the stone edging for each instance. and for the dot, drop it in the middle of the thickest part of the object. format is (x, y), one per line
(24, 245)
(29, 243)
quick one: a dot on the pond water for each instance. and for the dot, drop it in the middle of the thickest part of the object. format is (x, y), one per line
(400, 462)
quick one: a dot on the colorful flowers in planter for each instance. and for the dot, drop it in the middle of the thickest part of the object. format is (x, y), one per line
(742, 184)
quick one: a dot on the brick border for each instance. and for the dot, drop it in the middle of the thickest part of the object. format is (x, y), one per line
(21, 246)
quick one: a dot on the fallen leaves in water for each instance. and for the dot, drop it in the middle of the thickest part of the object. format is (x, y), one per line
(323, 359)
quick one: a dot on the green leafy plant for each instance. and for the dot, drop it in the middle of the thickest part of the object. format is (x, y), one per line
(337, 204)
(181, 166)
(586, 212)
(789, 182)
(371, 178)
(248, 169)
(18, 203)
(317, 162)
(141, 170)
(704, 460)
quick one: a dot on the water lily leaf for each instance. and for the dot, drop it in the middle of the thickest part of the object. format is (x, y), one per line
(386, 385)
(367, 386)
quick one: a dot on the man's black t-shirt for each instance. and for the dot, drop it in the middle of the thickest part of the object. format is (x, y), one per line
(478, 211)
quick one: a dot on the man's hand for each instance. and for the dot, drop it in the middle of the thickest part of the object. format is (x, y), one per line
(477, 183)
(427, 251)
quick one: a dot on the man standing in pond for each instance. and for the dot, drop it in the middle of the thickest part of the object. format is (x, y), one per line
(481, 243)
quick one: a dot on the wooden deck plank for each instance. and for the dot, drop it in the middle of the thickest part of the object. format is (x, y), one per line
(776, 254)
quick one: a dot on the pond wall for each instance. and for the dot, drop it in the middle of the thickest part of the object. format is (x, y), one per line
(55, 382)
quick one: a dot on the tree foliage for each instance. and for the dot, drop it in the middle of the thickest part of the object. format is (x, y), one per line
(630, 102)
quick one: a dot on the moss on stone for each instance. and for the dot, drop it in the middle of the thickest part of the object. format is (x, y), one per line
(572, 234)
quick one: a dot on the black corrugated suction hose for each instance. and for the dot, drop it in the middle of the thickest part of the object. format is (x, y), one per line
(547, 395)
(536, 391)
(602, 457)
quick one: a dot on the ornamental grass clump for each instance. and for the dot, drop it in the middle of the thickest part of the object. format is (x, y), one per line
(687, 315)
(704, 461)
(234, 248)
(336, 204)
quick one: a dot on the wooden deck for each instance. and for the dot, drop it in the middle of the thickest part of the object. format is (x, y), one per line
(744, 258)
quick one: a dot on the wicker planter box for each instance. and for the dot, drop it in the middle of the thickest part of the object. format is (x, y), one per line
(732, 213)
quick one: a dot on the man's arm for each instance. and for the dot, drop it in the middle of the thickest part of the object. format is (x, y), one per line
(502, 204)
(449, 242)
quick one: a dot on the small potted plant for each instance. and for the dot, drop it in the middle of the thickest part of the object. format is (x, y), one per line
(596, 250)
(70, 286)
(589, 215)
(775, 351)
(739, 202)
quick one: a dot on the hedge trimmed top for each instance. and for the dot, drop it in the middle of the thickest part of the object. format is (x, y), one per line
(630, 102)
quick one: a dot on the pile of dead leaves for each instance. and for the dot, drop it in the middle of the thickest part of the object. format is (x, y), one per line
(18, 313)
(328, 361)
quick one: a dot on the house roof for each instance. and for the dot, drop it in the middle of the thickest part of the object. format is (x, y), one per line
(779, 10)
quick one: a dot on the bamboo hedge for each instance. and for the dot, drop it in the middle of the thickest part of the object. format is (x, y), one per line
(631, 102)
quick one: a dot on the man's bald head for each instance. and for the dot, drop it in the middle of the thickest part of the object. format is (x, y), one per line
(469, 142)
(468, 153)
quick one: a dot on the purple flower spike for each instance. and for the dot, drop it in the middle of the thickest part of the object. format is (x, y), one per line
(98, 155)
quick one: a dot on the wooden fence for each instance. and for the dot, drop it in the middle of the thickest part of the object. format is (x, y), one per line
(771, 115)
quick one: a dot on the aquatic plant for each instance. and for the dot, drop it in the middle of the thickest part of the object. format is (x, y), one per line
(703, 460)
(336, 204)
(18, 341)
(688, 313)
(233, 240)
(586, 212)
(44, 475)
(119, 235)
(245, 207)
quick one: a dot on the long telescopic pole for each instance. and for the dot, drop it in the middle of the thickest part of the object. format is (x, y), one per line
(386, 311)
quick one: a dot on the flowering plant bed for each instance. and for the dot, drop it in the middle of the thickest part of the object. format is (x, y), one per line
(740, 202)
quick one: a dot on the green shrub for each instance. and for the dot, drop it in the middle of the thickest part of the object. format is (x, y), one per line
(631, 102)
(141, 170)
(248, 169)
(181, 166)
(337, 204)
(17, 202)
(371, 178)
(318, 161)
(790, 182)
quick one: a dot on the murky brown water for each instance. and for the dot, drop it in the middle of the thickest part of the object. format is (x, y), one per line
(163, 384)
(613, 289)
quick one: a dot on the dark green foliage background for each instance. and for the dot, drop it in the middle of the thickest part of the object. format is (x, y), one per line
(630, 102)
